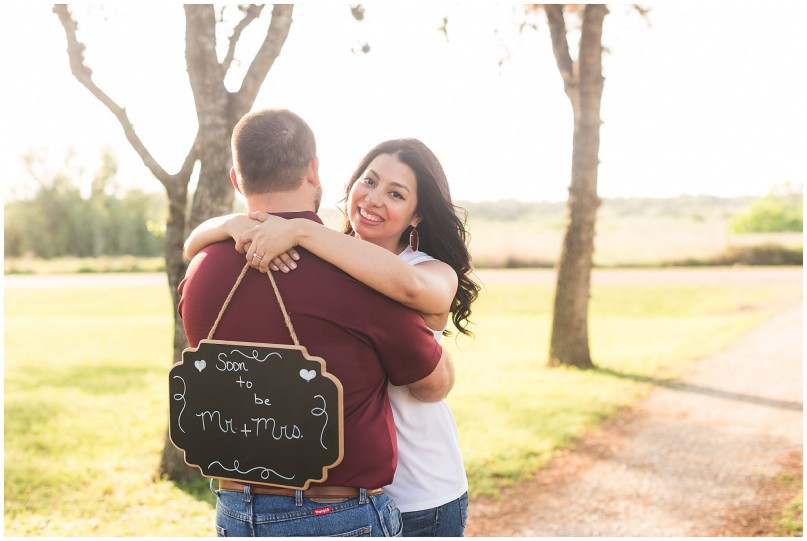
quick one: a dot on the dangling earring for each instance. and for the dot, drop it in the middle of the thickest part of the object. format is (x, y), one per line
(414, 241)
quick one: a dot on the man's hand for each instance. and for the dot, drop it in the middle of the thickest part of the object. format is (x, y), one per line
(436, 385)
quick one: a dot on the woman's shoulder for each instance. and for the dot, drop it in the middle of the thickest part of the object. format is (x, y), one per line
(415, 257)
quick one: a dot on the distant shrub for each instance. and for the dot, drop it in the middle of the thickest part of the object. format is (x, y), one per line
(521, 263)
(780, 211)
(511, 210)
(86, 265)
(14, 270)
(767, 254)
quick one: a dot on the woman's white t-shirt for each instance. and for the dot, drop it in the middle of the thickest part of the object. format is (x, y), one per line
(430, 471)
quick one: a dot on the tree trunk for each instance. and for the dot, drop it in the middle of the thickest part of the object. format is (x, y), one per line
(583, 83)
(217, 112)
(214, 194)
(172, 463)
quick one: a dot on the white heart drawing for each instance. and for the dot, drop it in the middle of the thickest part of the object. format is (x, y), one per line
(200, 365)
(307, 375)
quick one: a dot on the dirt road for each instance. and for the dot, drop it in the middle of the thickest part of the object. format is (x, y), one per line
(738, 276)
(709, 455)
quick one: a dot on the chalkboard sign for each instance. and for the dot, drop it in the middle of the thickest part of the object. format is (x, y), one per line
(258, 413)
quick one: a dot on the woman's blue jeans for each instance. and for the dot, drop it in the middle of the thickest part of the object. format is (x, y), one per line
(243, 514)
(444, 521)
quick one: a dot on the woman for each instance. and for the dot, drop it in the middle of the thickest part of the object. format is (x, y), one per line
(404, 239)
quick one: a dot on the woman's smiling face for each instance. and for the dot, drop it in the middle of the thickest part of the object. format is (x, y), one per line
(382, 202)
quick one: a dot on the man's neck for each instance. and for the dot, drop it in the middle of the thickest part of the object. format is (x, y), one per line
(280, 202)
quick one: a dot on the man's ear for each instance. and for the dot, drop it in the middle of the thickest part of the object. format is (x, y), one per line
(234, 180)
(312, 172)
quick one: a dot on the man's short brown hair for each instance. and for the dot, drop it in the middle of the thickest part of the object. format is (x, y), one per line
(271, 150)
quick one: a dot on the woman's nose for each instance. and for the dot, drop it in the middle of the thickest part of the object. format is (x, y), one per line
(372, 197)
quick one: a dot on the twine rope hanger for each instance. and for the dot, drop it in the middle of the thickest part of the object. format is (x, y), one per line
(286, 317)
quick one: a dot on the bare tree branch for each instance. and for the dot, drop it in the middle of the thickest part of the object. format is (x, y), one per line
(184, 173)
(590, 56)
(204, 71)
(644, 11)
(251, 12)
(75, 51)
(560, 46)
(270, 49)
(357, 11)
(444, 28)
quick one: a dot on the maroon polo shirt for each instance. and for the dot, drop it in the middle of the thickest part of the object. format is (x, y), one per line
(365, 338)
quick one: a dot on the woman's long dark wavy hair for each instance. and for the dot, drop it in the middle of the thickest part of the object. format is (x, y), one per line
(442, 233)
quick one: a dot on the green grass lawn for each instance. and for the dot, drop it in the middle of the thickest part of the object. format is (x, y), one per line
(86, 392)
(791, 523)
(82, 265)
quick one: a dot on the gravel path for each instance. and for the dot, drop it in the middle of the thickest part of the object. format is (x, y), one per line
(705, 456)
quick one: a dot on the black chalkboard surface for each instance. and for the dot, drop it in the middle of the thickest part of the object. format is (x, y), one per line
(258, 413)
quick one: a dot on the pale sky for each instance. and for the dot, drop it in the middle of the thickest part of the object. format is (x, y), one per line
(707, 99)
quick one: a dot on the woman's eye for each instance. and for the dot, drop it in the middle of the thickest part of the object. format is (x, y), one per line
(397, 195)
(368, 180)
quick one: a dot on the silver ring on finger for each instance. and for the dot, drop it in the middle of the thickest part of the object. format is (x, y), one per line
(256, 255)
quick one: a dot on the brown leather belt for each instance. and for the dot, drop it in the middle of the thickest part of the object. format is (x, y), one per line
(318, 491)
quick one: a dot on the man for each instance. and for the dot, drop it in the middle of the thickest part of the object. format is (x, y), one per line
(365, 338)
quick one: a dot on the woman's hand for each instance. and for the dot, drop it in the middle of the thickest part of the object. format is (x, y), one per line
(215, 230)
(270, 245)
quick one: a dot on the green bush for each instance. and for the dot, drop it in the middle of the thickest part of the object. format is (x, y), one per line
(58, 220)
(766, 254)
(781, 210)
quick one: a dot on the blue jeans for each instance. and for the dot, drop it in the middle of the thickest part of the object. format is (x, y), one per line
(243, 514)
(447, 520)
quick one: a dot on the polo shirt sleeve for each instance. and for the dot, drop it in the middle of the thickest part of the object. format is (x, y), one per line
(405, 345)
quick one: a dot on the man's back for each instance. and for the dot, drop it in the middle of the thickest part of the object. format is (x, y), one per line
(363, 336)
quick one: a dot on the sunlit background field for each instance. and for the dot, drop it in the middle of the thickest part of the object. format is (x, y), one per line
(86, 390)
(689, 230)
